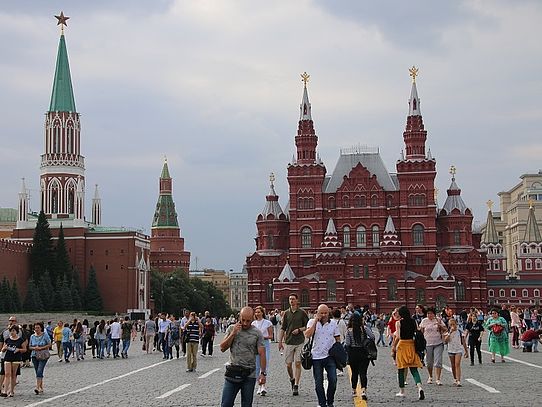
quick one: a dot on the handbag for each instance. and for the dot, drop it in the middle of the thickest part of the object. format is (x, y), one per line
(419, 341)
(306, 354)
(43, 354)
(497, 329)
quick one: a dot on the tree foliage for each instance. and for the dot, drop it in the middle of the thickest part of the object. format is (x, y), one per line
(41, 254)
(92, 298)
(175, 292)
(32, 302)
(63, 264)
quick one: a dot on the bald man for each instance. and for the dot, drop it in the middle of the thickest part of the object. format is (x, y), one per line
(244, 342)
(326, 332)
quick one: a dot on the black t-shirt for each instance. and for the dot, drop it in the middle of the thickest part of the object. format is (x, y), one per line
(11, 355)
(475, 329)
(408, 326)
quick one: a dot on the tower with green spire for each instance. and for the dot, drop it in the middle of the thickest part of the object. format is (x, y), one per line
(62, 179)
(167, 245)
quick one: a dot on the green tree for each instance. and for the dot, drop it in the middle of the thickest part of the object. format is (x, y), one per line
(66, 294)
(6, 296)
(15, 297)
(41, 254)
(46, 291)
(32, 302)
(92, 298)
(63, 264)
(77, 294)
(57, 297)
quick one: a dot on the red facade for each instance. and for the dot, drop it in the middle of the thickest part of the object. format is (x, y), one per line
(365, 236)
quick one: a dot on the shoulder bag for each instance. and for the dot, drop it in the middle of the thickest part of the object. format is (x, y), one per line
(42, 354)
(306, 353)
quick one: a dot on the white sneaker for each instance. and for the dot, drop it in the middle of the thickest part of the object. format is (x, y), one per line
(259, 391)
(400, 394)
(430, 380)
(263, 391)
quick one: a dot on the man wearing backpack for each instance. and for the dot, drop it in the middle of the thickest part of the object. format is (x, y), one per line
(126, 336)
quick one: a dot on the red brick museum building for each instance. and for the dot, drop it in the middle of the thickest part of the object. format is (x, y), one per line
(363, 235)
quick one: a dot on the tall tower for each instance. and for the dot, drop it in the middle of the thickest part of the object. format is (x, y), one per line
(62, 176)
(416, 173)
(167, 245)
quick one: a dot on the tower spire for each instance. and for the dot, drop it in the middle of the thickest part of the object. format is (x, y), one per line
(96, 207)
(414, 135)
(306, 139)
(490, 232)
(23, 206)
(532, 231)
(62, 98)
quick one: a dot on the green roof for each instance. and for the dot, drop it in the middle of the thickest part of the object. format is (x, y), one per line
(62, 99)
(8, 215)
(165, 171)
(165, 215)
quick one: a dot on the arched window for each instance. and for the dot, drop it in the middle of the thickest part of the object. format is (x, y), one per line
(331, 202)
(56, 138)
(356, 271)
(331, 286)
(306, 237)
(420, 295)
(376, 236)
(346, 236)
(538, 264)
(346, 202)
(418, 235)
(524, 293)
(457, 237)
(300, 203)
(71, 201)
(528, 264)
(54, 199)
(374, 200)
(269, 293)
(389, 201)
(496, 265)
(513, 293)
(460, 291)
(536, 292)
(491, 293)
(361, 239)
(304, 297)
(502, 293)
(392, 288)
(270, 240)
(360, 201)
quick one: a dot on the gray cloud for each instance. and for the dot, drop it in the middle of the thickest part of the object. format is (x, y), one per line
(215, 86)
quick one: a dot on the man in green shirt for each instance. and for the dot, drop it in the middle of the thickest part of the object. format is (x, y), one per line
(294, 322)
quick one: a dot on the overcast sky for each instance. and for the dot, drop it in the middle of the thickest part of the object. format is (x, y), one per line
(215, 86)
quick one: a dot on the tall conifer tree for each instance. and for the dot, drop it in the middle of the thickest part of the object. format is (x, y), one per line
(63, 264)
(93, 299)
(41, 254)
(15, 297)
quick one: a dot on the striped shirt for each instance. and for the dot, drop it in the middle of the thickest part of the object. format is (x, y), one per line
(192, 330)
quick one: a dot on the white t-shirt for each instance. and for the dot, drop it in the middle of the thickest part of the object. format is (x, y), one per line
(263, 326)
(324, 338)
(115, 330)
(163, 325)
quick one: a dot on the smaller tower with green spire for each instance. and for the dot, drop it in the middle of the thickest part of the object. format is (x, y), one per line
(167, 245)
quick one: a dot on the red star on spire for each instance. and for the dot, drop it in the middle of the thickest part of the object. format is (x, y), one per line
(62, 21)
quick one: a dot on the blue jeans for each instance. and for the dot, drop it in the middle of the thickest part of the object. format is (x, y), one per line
(318, 366)
(67, 348)
(101, 348)
(381, 338)
(39, 366)
(267, 349)
(230, 390)
(163, 344)
(116, 343)
(125, 346)
(108, 344)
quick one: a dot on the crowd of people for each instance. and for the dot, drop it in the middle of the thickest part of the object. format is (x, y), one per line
(416, 340)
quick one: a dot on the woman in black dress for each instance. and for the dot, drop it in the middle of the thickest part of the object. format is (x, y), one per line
(15, 347)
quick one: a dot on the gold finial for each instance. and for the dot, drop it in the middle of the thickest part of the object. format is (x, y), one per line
(62, 21)
(531, 203)
(453, 170)
(413, 73)
(272, 178)
(489, 204)
(305, 78)
(165, 158)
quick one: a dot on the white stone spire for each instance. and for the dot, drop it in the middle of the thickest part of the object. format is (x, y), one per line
(414, 102)
(305, 107)
(22, 208)
(331, 230)
(96, 208)
(390, 227)
(79, 213)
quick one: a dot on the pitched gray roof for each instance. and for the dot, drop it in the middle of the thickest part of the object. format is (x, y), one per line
(439, 271)
(287, 273)
(454, 200)
(370, 160)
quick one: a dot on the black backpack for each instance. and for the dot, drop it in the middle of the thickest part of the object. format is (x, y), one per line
(419, 341)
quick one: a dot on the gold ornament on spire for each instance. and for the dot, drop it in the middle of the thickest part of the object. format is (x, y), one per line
(305, 78)
(489, 204)
(62, 21)
(453, 170)
(531, 203)
(272, 178)
(413, 73)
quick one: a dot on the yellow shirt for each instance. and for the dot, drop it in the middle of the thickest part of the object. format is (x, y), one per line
(57, 333)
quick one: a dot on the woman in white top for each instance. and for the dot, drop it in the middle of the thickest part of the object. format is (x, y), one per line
(456, 349)
(266, 328)
(515, 323)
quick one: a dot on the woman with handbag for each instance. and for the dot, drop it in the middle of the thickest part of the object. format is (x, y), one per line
(14, 348)
(39, 345)
(358, 357)
(498, 335)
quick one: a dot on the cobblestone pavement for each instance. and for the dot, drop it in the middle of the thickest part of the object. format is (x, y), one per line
(148, 380)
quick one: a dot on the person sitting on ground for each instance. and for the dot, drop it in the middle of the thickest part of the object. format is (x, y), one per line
(530, 340)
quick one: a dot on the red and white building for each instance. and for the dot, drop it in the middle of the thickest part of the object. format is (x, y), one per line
(363, 235)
